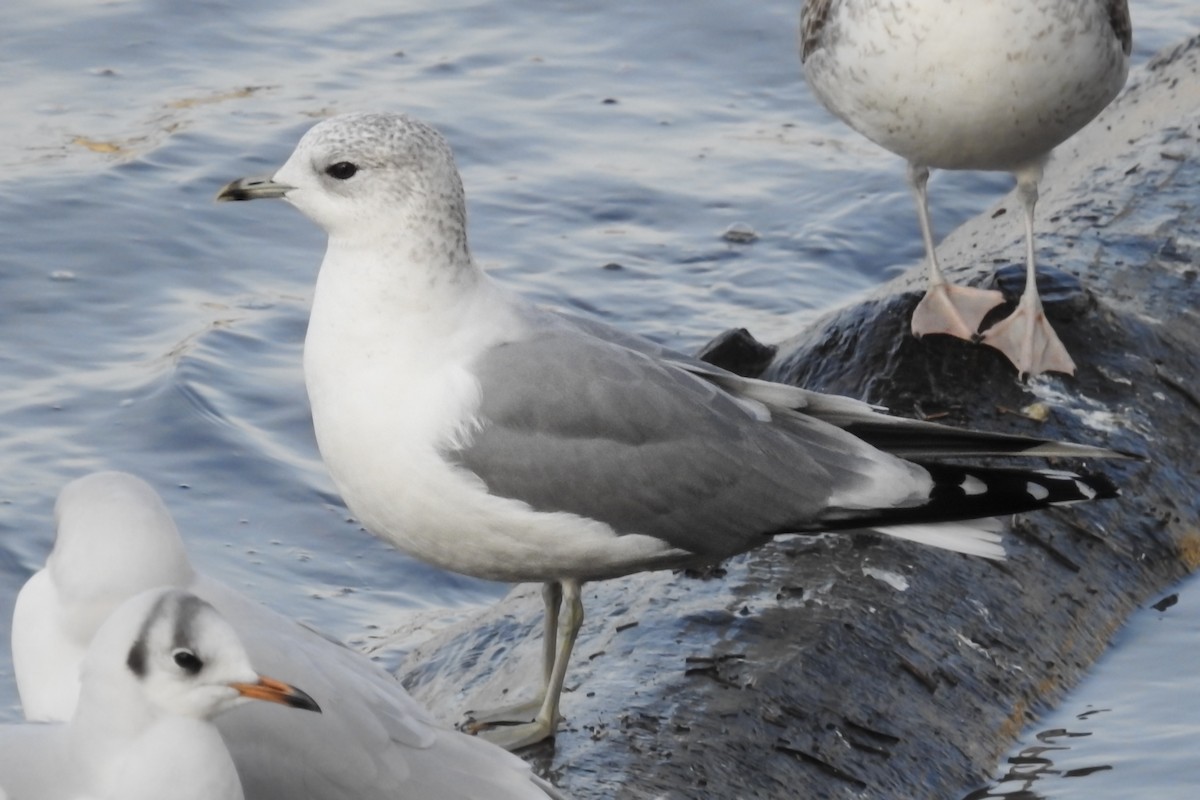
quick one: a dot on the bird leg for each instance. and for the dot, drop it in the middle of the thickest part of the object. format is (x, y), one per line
(945, 308)
(1025, 336)
(526, 710)
(563, 602)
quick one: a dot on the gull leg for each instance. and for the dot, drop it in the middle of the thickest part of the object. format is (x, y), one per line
(513, 737)
(552, 593)
(1025, 336)
(526, 710)
(945, 308)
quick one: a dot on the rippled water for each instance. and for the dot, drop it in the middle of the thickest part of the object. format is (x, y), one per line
(148, 329)
(1129, 731)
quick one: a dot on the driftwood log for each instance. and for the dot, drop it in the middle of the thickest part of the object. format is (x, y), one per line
(855, 666)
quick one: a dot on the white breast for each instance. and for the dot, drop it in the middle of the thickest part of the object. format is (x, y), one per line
(985, 84)
(390, 390)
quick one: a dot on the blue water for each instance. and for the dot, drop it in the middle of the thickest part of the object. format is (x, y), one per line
(146, 328)
(1129, 731)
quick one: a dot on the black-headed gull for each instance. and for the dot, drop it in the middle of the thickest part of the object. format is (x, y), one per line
(115, 538)
(156, 673)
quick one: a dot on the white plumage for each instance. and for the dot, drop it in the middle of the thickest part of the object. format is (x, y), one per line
(985, 84)
(115, 537)
(157, 671)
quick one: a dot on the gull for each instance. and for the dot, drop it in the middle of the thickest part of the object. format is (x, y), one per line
(115, 537)
(487, 436)
(159, 668)
(980, 85)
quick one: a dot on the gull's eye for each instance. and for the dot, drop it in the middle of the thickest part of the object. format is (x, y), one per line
(187, 661)
(342, 170)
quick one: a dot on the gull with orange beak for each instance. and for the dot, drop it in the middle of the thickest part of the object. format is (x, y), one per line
(157, 672)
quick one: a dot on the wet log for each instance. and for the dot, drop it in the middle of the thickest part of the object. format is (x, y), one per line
(859, 667)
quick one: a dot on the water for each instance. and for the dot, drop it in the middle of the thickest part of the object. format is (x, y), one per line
(146, 328)
(1129, 730)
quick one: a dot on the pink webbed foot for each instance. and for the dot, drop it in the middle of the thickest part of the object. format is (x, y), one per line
(1029, 342)
(954, 310)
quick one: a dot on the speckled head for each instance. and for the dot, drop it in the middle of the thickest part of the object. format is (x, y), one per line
(367, 176)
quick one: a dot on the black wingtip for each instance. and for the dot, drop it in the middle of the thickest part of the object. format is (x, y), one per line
(963, 493)
(1101, 484)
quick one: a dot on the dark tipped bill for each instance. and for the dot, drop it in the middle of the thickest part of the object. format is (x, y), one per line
(274, 691)
(252, 189)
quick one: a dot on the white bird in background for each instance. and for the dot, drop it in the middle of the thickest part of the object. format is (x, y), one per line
(981, 85)
(158, 670)
(115, 538)
(489, 437)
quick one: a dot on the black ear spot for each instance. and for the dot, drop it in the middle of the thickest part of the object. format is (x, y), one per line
(342, 170)
(137, 659)
(187, 661)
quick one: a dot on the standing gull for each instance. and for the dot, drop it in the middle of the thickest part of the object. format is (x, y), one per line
(115, 538)
(159, 669)
(987, 85)
(490, 437)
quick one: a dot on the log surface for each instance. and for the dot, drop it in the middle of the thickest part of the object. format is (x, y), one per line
(862, 667)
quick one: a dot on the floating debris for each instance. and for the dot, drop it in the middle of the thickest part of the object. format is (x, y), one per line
(219, 97)
(739, 233)
(98, 146)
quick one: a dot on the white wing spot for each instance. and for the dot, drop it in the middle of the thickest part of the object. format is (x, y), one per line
(972, 486)
(1037, 491)
(1085, 490)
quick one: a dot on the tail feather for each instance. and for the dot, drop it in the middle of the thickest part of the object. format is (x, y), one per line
(974, 538)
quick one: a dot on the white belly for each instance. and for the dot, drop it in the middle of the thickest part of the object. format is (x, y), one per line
(402, 489)
(387, 400)
(967, 84)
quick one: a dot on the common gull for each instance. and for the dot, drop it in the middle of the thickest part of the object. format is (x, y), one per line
(488, 436)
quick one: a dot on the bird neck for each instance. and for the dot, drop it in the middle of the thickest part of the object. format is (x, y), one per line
(111, 713)
(397, 274)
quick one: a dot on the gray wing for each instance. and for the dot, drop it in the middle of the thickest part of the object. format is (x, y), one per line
(907, 438)
(571, 422)
(372, 741)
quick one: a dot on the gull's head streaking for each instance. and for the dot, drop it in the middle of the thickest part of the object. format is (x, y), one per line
(368, 175)
(178, 653)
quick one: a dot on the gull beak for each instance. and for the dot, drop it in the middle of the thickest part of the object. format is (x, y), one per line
(252, 189)
(274, 691)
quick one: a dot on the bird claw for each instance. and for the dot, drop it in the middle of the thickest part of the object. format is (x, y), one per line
(512, 735)
(513, 714)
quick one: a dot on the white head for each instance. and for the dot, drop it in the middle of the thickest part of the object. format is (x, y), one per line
(180, 656)
(114, 538)
(370, 176)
